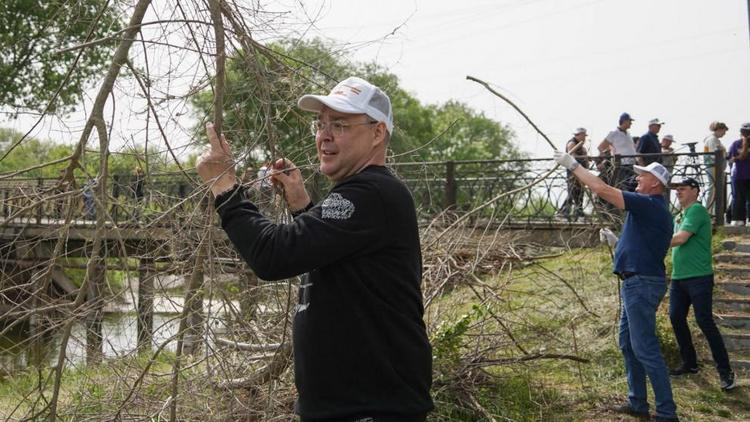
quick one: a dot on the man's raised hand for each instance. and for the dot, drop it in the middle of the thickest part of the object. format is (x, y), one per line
(606, 236)
(216, 165)
(565, 160)
(286, 174)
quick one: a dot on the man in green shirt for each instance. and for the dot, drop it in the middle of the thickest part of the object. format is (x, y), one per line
(693, 282)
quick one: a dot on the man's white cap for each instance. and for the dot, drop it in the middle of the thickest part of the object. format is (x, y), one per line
(658, 170)
(579, 130)
(655, 122)
(353, 96)
(668, 137)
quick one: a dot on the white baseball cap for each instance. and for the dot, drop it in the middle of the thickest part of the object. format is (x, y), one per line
(658, 170)
(579, 130)
(354, 96)
(668, 137)
(655, 122)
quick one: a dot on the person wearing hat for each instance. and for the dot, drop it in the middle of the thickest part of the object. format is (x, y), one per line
(668, 159)
(649, 143)
(360, 345)
(572, 208)
(693, 283)
(739, 158)
(639, 262)
(619, 142)
(712, 143)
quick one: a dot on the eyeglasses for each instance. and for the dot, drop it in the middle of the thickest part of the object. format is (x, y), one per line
(337, 127)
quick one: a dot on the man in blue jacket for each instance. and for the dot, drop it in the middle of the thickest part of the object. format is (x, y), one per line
(649, 143)
(361, 351)
(639, 262)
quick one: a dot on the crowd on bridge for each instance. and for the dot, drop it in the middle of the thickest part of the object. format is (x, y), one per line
(619, 151)
(131, 187)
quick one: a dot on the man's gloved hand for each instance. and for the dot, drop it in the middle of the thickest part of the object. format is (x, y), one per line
(566, 160)
(606, 236)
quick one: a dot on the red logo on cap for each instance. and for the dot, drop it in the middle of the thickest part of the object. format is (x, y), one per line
(353, 89)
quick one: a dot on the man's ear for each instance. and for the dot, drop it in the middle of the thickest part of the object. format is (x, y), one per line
(380, 133)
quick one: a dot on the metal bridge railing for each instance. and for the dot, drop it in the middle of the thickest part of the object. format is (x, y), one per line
(455, 187)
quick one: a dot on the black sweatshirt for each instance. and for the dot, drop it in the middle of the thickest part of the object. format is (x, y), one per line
(360, 344)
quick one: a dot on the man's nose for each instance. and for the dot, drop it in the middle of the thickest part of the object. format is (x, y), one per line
(324, 135)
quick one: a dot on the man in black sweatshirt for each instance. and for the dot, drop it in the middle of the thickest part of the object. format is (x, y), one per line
(361, 350)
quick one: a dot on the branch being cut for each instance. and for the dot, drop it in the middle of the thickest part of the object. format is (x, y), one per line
(95, 118)
(215, 6)
(504, 98)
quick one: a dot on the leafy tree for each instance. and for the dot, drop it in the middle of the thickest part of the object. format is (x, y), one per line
(414, 123)
(30, 153)
(34, 151)
(468, 135)
(31, 33)
(261, 111)
(260, 118)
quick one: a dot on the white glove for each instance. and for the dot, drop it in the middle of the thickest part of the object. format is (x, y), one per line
(606, 236)
(263, 179)
(566, 160)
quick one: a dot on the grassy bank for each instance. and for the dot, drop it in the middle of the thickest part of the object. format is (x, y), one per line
(556, 309)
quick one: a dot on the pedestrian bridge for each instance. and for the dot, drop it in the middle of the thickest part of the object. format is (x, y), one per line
(516, 192)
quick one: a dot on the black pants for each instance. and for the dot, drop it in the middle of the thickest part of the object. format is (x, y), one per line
(574, 203)
(698, 292)
(741, 197)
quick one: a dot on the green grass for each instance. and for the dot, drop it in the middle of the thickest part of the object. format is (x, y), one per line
(544, 314)
(85, 390)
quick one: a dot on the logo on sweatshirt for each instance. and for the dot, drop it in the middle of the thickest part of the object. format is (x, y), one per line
(337, 207)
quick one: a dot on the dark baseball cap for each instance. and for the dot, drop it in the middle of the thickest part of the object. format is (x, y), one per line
(625, 116)
(688, 181)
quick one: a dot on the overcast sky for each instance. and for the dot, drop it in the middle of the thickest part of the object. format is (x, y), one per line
(566, 63)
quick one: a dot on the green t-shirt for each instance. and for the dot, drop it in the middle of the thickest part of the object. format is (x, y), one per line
(693, 258)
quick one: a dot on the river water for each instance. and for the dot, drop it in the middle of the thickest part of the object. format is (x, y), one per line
(119, 331)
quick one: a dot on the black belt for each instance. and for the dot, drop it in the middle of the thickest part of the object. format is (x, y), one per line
(626, 274)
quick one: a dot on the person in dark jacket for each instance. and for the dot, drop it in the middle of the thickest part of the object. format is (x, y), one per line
(572, 208)
(649, 143)
(739, 158)
(138, 192)
(361, 351)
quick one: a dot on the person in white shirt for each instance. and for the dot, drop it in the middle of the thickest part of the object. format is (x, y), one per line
(619, 142)
(712, 143)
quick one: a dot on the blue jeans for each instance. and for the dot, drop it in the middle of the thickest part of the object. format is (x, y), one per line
(697, 291)
(641, 296)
